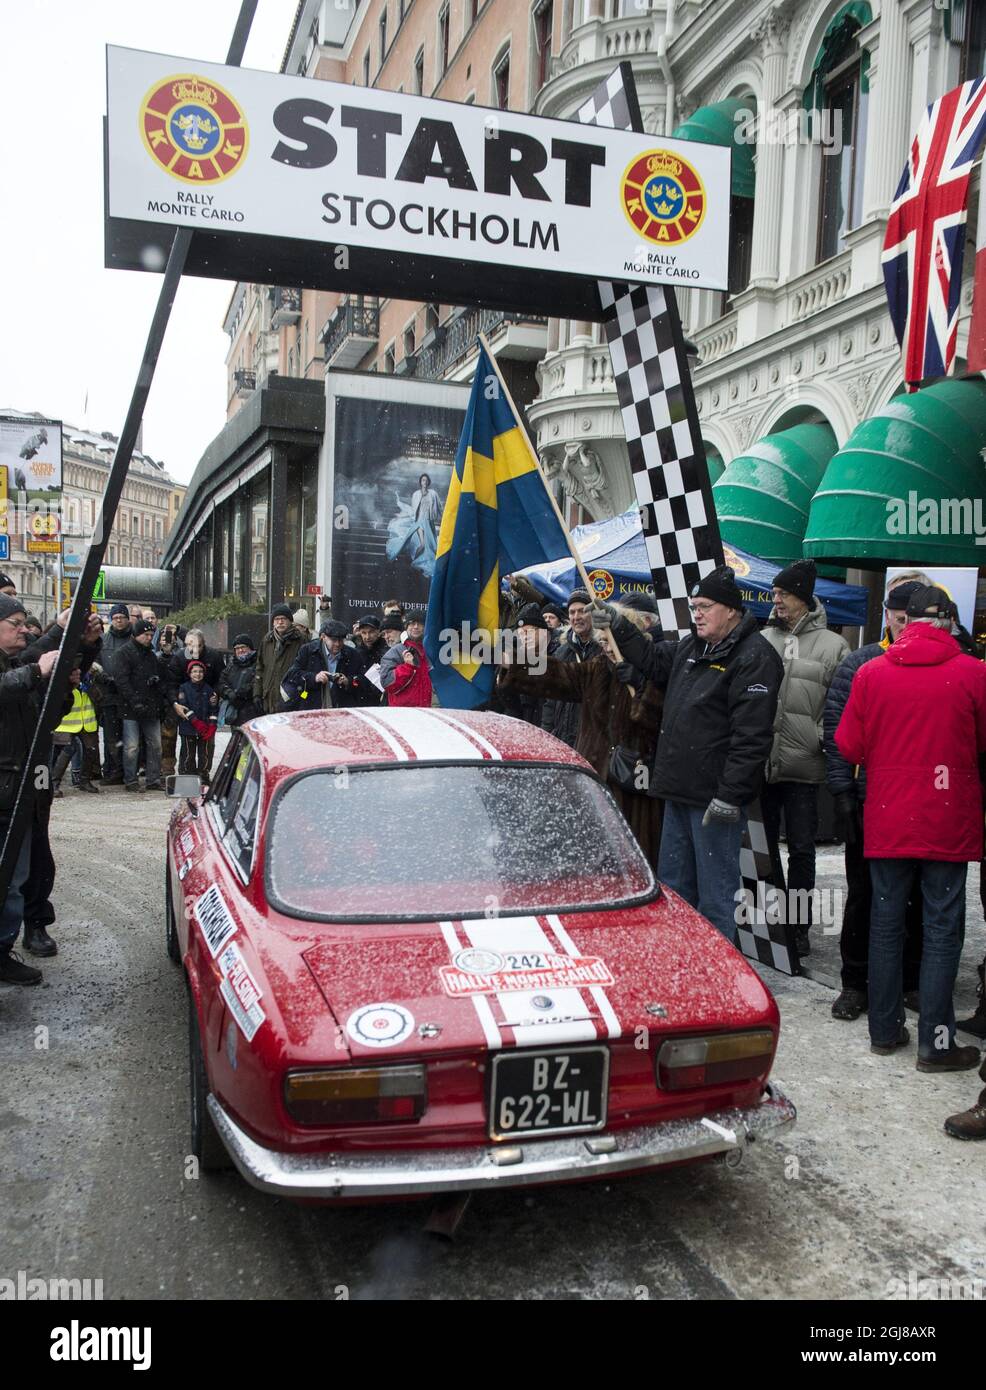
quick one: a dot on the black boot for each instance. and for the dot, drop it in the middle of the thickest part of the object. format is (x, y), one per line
(976, 1025)
(13, 971)
(38, 942)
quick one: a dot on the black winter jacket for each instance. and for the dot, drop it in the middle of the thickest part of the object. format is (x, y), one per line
(174, 669)
(236, 686)
(140, 682)
(838, 773)
(719, 709)
(306, 692)
(561, 717)
(113, 644)
(21, 697)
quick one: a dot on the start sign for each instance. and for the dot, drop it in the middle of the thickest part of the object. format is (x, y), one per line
(358, 189)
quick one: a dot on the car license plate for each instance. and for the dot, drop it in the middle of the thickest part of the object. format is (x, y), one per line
(548, 1092)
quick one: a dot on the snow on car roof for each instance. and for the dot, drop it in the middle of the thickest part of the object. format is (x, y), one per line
(287, 743)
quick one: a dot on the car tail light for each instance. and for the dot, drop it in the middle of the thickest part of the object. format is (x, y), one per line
(686, 1062)
(352, 1096)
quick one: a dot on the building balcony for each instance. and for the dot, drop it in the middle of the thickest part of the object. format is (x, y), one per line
(593, 50)
(244, 382)
(349, 334)
(285, 307)
(448, 350)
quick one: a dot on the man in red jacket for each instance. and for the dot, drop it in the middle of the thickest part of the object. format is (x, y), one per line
(404, 668)
(916, 720)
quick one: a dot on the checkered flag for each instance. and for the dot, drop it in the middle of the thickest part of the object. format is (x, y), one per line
(671, 478)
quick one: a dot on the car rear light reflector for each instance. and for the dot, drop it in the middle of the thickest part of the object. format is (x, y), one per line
(356, 1095)
(686, 1062)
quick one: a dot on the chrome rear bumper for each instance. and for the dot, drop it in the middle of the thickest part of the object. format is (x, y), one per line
(425, 1172)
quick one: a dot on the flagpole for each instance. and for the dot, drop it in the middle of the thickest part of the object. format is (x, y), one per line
(551, 497)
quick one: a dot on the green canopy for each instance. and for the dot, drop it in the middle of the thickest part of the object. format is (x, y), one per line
(717, 125)
(715, 463)
(763, 497)
(839, 33)
(881, 499)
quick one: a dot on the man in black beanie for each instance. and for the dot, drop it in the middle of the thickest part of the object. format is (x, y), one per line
(797, 629)
(848, 787)
(721, 689)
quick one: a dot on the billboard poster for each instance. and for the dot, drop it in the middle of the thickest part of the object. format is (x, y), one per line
(392, 463)
(345, 187)
(31, 451)
(959, 583)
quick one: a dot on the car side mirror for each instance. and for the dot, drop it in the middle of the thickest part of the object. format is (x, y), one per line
(183, 785)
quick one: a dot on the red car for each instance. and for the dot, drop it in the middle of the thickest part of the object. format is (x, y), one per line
(424, 953)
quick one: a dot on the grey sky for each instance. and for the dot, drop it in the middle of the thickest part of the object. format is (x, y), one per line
(70, 326)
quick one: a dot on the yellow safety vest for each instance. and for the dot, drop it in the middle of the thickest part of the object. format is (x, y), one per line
(81, 716)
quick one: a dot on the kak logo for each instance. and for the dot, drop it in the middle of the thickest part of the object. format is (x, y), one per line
(663, 197)
(602, 583)
(193, 129)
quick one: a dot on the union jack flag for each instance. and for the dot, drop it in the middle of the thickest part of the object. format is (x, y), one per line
(922, 251)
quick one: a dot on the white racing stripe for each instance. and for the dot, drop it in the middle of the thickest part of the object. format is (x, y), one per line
(481, 1004)
(523, 935)
(399, 753)
(446, 718)
(429, 737)
(597, 991)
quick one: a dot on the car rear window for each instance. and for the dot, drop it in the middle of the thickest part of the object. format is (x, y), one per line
(425, 842)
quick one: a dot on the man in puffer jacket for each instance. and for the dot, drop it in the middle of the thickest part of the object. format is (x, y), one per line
(404, 669)
(798, 632)
(849, 791)
(916, 718)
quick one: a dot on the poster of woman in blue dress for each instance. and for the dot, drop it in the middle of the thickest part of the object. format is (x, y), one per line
(414, 530)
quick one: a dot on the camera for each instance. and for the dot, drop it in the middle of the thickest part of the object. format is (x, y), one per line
(153, 682)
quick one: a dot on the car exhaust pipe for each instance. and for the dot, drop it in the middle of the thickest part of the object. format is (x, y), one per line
(447, 1214)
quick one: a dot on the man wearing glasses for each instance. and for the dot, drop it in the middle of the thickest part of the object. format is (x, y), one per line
(721, 687)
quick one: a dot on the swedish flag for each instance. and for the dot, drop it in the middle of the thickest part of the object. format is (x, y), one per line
(498, 518)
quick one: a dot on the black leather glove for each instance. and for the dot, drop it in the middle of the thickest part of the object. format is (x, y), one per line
(627, 674)
(847, 817)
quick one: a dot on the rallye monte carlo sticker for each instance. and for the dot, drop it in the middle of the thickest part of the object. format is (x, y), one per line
(379, 1025)
(194, 129)
(528, 981)
(215, 920)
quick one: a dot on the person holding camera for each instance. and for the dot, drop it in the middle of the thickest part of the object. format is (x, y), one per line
(327, 673)
(236, 682)
(141, 689)
(404, 668)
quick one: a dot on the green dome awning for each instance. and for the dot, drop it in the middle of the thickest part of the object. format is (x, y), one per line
(881, 497)
(717, 125)
(839, 34)
(763, 498)
(714, 462)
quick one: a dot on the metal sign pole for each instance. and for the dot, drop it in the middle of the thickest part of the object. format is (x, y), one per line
(36, 764)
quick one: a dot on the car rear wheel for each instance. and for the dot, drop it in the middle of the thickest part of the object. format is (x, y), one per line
(206, 1145)
(170, 930)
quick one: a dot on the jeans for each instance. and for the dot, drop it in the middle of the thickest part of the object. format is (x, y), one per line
(854, 942)
(12, 912)
(943, 896)
(701, 863)
(151, 730)
(799, 802)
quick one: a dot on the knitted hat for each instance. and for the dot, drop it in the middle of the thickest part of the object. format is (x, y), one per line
(416, 615)
(281, 610)
(391, 622)
(928, 601)
(9, 606)
(560, 613)
(301, 617)
(189, 668)
(119, 608)
(641, 603)
(531, 616)
(900, 596)
(6, 583)
(243, 639)
(720, 587)
(798, 579)
(141, 627)
(368, 620)
(333, 629)
(578, 596)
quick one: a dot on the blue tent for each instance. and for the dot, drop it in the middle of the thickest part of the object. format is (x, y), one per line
(615, 556)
